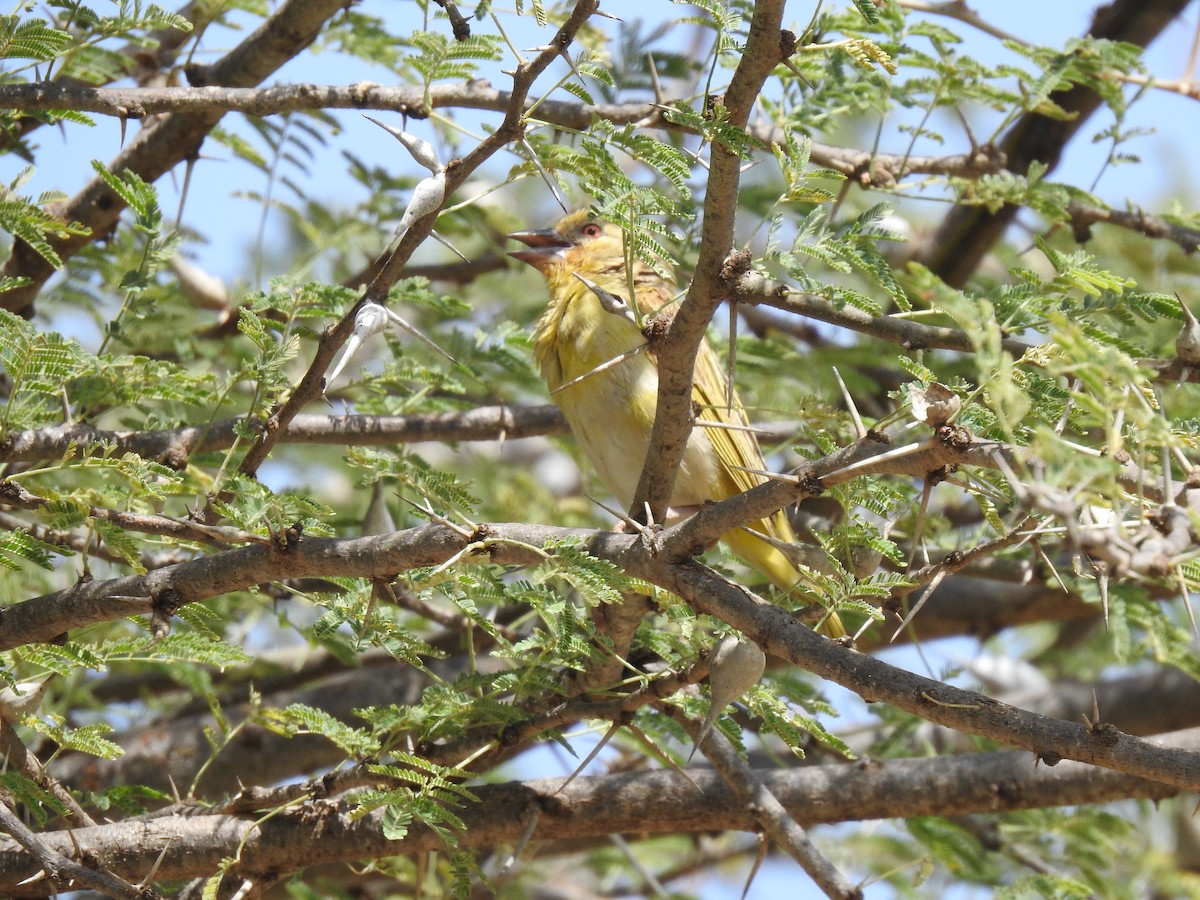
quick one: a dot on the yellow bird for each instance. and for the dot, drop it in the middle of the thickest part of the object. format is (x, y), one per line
(586, 344)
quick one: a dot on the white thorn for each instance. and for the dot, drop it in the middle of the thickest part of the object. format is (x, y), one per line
(397, 319)
(371, 319)
(449, 246)
(420, 149)
(427, 196)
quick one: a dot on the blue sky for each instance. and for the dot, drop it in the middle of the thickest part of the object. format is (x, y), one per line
(231, 224)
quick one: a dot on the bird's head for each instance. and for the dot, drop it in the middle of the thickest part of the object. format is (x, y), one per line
(579, 241)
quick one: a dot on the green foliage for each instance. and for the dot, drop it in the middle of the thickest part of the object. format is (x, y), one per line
(300, 719)
(28, 221)
(16, 546)
(438, 57)
(88, 739)
(31, 795)
(38, 364)
(425, 794)
(429, 485)
(1061, 384)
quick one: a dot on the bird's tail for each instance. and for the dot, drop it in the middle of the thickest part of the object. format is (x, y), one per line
(777, 567)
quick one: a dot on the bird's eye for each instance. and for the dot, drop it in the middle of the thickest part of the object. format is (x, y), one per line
(591, 230)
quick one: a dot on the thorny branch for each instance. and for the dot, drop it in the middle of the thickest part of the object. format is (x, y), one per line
(627, 803)
(869, 169)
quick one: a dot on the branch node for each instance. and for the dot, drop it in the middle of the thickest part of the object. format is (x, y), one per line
(656, 329)
(812, 485)
(787, 44)
(1105, 732)
(879, 437)
(940, 474)
(736, 264)
(957, 437)
(164, 605)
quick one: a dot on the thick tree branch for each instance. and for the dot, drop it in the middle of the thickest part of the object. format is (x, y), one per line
(635, 803)
(163, 591)
(876, 682)
(883, 169)
(60, 870)
(288, 556)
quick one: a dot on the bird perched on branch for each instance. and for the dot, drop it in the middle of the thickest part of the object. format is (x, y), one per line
(593, 356)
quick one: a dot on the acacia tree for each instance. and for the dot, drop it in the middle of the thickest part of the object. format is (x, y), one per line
(252, 641)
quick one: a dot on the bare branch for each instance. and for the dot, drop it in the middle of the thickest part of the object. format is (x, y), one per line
(774, 818)
(1083, 216)
(753, 288)
(174, 446)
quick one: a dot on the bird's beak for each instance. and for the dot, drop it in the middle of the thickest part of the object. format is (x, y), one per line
(546, 246)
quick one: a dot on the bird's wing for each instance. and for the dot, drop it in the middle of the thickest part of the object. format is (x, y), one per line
(734, 447)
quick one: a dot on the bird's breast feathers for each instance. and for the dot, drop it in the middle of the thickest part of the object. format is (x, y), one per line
(611, 412)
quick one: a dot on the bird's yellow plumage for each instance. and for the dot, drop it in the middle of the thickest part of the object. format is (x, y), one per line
(611, 411)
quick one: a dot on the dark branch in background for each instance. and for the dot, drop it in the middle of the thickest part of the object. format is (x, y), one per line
(172, 752)
(321, 829)
(159, 148)
(967, 233)
(460, 26)
(454, 272)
